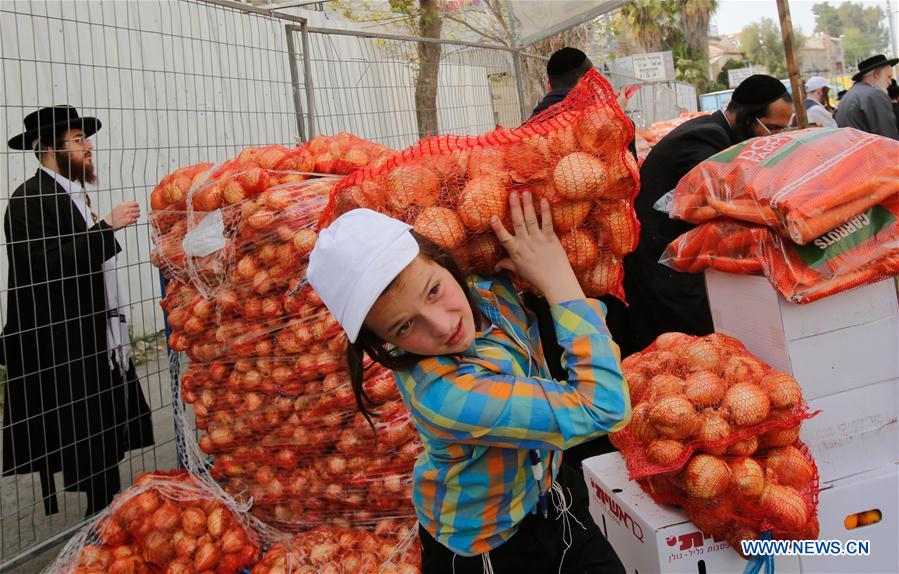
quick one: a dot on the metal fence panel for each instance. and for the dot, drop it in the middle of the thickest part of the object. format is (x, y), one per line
(174, 83)
(177, 82)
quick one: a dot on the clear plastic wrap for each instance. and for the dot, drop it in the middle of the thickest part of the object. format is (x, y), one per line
(267, 379)
(863, 250)
(800, 183)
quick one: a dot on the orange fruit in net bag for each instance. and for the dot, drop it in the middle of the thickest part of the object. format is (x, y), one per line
(409, 185)
(665, 451)
(787, 465)
(621, 182)
(486, 161)
(561, 139)
(705, 477)
(483, 198)
(784, 506)
(618, 230)
(569, 214)
(296, 160)
(601, 131)
(483, 252)
(528, 160)
(270, 156)
(580, 248)
(748, 477)
(356, 157)
(603, 277)
(580, 176)
(442, 226)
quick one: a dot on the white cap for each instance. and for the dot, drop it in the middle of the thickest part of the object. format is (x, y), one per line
(354, 260)
(816, 83)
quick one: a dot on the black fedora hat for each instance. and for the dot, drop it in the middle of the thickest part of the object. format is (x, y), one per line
(871, 64)
(52, 121)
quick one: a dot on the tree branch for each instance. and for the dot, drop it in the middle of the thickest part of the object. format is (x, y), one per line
(478, 31)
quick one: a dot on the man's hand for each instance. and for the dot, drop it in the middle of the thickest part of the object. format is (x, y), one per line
(123, 215)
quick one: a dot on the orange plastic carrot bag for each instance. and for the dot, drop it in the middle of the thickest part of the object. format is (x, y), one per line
(574, 154)
(802, 183)
(863, 250)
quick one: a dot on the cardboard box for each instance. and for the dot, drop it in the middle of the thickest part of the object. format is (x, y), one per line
(876, 489)
(842, 342)
(855, 431)
(651, 538)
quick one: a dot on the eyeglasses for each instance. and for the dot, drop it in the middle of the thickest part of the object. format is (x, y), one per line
(80, 140)
(771, 131)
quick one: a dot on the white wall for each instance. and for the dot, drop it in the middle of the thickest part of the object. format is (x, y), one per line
(179, 82)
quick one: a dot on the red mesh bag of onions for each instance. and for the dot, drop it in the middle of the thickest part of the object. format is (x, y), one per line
(389, 548)
(704, 394)
(575, 154)
(168, 523)
(715, 431)
(266, 375)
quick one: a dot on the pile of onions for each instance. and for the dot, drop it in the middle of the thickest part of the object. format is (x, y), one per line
(171, 524)
(715, 430)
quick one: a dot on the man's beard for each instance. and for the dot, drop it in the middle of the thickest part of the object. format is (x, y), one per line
(76, 170)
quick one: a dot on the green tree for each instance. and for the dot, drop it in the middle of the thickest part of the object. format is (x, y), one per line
(677, 25)
(856, 46)
(863, 22)
(763, 44)
(721, 80)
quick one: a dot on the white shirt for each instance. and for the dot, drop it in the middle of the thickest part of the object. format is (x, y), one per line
(118, 342)
(820, 115)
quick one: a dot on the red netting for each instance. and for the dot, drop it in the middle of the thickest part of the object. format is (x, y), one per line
(801, 183)
(574, 154)
(391, 547)
(164, 523)
(267, 378)
(703, 394)
(715, 431)
(863, 250)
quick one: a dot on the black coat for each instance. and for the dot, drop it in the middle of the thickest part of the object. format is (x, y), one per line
(661, 299)
(62, 410)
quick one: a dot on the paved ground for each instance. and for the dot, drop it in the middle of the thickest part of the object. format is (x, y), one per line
(22, 520)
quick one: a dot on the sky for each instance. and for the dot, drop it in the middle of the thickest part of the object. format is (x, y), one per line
(732, 15)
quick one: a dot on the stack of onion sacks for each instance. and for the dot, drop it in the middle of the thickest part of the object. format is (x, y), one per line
(267, 377)
(575, 155)
(164, 523)
(715, 430)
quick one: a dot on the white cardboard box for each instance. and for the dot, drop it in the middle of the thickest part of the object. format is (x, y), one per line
(855, 431)
(877, 489)
(842, 342)
(652, 538)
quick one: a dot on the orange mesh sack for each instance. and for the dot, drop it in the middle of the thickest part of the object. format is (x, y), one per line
(736, 498)
(801, 183)
(704, 395)
(574, 154)
(166, 522)
(715, 431)
(392, 547)
(863, 250)
(343, 153)
(267, 379)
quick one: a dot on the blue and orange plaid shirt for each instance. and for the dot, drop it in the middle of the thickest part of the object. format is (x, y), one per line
(480, 413)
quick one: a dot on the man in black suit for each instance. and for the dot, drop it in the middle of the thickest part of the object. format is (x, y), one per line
(72, 400)
(661, 299)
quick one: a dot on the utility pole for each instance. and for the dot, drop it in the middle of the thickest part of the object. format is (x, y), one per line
(892, 19)
(786, 31)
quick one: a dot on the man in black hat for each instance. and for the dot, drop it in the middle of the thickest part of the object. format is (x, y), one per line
(661, 299)
(72, 400)
(866, 106)
(564, 70)
(893, 93)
